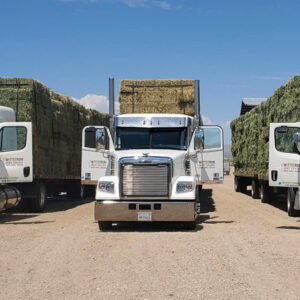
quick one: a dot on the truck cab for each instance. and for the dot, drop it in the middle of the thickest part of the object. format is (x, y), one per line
(151, 168)
(15, 157)
(284, 162)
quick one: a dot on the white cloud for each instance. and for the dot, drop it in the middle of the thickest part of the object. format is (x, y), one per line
(207, 121)
(135, 3)
(98, 102)
(130, 3)
(162, 4)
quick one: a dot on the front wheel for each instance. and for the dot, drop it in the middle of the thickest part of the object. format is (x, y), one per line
(255, 189)
(265, 193)
(290, 202)
(37, 203)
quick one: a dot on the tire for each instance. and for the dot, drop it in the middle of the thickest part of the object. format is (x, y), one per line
(190, 225)
(290, 201)
(265, 193)
(104, 226)
(255, 189)
(37, 204)
(239, 185)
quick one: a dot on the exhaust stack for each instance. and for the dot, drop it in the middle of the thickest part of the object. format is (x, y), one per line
(111, 105)
(197, 99)
(111, 96)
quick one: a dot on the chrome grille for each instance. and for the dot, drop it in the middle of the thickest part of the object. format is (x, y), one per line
(145, 180)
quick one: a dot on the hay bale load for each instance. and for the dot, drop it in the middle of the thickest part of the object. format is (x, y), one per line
(57, 123)
(157, 96)
(250, 132)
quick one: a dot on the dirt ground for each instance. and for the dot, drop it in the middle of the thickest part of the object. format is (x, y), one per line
(241, 249)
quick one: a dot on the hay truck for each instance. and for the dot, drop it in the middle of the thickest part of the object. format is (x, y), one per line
(265, 147)
(15, 157)
(40, 146)
(150, 166)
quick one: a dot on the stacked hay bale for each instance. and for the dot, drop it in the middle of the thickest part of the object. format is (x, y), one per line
(250, 132)
(57, 123)
(157, 96)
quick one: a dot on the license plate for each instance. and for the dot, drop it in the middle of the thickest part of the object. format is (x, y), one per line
(145, 216)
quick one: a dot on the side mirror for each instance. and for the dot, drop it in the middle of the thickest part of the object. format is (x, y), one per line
(297, 140)
(199, 139)
(101, 139)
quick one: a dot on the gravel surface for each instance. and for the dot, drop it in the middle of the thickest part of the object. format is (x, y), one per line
(241, 249)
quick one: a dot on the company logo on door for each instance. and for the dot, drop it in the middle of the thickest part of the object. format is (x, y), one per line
(209, 164)
(291, 167)
(97, 164)
(13, 162)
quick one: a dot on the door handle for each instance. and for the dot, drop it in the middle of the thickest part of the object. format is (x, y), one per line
(274, 175)
(26, 171)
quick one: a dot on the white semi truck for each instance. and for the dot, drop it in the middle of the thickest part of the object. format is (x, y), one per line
(149, 167)
(283, 168)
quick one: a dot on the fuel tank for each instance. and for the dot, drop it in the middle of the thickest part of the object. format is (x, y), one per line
(9, 196)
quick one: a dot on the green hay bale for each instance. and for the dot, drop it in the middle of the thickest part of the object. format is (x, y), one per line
(250, 132)
(57, 125)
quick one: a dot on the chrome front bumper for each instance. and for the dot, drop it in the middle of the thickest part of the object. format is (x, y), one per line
(121, 211)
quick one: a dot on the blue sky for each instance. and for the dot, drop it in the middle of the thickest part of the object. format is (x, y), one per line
(236, 48)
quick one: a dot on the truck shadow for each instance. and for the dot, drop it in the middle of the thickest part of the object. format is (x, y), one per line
(206, 219)
(14, 219)
(278, 201)
(206, 200)
(53, 204)
(152, 227)
(289, 227)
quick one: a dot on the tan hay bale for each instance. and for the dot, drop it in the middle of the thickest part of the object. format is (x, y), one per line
(157, 96)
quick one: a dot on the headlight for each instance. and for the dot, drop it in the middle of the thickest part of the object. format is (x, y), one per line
(106, 186)
(184, 187)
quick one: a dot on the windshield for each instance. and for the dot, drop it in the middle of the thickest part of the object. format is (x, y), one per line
(151, 138)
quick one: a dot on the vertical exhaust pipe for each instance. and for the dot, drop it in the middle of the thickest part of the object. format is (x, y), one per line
(111, 96)
(197, 99)
(111, 111)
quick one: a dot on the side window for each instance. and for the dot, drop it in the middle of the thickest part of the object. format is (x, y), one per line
(96, 138)
(284, 139)
(90, 138)
(212, 138)
(13, 138)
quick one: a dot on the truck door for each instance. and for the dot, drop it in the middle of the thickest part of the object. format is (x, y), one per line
(16, 152)
(97, 146)
(207, 154)
(284, 158)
